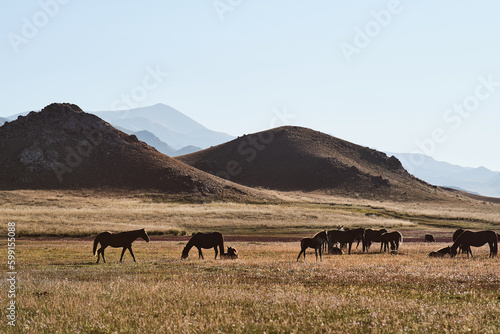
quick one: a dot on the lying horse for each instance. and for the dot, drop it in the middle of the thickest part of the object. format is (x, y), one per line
(315, 243)
(440, 253)
(429, 238)
(231, 254)
(476, 239)
(336, 251)
(204, 240)
(372, 236)
(347, 237)
(394, 238)
(462, 249)
(122, 239)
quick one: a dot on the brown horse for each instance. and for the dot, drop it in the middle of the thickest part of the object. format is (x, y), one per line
(231, 254)
(347, 237)
(461, 248)
(315, 243)
(122, 239)
(440, 253)
(476, 239)
(429, 238)
(323, 237)
(371, 236)
(204, 240)
(394, 238)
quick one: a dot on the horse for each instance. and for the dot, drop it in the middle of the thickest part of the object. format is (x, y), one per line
(122, 239)
(441, 252)
(476, 239)
(429, 238)
(336, 251)
(323, 236)
(394, 238)
(371, 236)
(204, 240)
(315, 243)
(462, 249)
(347, 237)
(231, 254)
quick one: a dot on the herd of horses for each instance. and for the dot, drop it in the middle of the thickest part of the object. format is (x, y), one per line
(345, 237)
(463, 240)
(320, 242)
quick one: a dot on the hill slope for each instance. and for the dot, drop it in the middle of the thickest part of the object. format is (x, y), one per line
(63, 147)
(295, 158)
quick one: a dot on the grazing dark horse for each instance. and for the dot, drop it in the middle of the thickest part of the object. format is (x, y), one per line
(204, 240)
(440, 253)
(323, 237)
(315, 243)
(231, 254)
(429, 238)
(394, 238)
(462, 249)
(476, 239)
(372, 236)
(122, 239)
(346, 237)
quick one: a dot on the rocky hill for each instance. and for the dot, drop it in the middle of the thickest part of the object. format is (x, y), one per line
(62, 147)
(296, 158)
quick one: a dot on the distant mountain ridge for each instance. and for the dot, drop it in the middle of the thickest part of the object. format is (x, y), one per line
(168, 124)
(162, 147)
(475, 180)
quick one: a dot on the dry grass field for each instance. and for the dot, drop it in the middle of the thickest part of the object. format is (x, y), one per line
(62, 290)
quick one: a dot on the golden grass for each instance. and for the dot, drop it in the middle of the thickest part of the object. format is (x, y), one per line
(61, 290)
(80, 214)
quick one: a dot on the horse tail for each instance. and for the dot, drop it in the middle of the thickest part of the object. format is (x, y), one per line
(400, 237)
(96, 242)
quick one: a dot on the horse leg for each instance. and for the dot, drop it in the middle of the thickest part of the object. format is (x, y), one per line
(320, 256)
(350, 245)
(316, 253)
(200, 254)
(123, 252)
(132, 253)
(302, 250)
(102, 252)
(216, 253)
(99, 255)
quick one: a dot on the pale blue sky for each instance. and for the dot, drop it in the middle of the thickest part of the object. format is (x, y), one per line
(234, 74)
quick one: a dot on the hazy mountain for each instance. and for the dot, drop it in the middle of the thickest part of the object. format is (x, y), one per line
(166, 123)
(475, 180)
(155, 142)
(186, 150)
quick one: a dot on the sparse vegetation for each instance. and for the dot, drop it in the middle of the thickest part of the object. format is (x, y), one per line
(62, 290)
